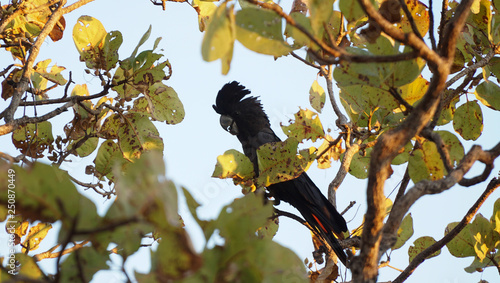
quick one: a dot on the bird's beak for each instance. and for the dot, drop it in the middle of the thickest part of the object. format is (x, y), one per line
(228, 124)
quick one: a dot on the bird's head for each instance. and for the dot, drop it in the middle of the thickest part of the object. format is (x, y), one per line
(239, 115)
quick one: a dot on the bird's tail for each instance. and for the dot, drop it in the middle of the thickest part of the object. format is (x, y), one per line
(326, 235)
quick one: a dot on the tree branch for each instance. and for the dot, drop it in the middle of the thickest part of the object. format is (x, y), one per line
(365, 266)
(471, 69)
(73, 99)
(14, 124)
(70, 101)
(494, 183)
(344, 168)
(426, 187)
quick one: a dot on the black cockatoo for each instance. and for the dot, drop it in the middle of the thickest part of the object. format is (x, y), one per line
(245, 118)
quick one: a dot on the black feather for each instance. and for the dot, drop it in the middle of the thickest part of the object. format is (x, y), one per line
(254, 130)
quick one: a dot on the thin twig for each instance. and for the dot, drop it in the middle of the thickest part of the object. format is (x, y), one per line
(51, 254)
(441, 147)
(404, 184)
(327, 74)
(304, 61)
(289, 215)
(351, 204)
(431, 26)
(394, 92)
(471, 69)
(427, 187)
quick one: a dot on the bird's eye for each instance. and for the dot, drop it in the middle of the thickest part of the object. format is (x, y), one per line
(228, 124)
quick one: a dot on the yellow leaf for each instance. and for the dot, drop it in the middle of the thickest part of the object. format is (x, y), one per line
(35, 236)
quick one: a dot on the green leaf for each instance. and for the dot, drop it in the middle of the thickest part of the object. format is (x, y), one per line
(111, 44)
(448, 111)
(405, 231)
(127, 89)
(299, 38)
(420, 245)
(425, 163)
(87, 147)
(141, 106)
(108, 155)
(346, 74)
(110, 126)
(462, 245)
(260, 30)
(480, 19)
(477, 266)
(494, 63)
(485, 238)
(219, 37)
(317, 96)
(253, 258)
(495, 217)
(143, 39)
(270, 262)
(33, 139)
(468, 120)
(30, 268)
(164, 104)
(364, 103)
(360, 164)
(352, 10)
(144, 69)
(306, 126)
(489, 94)
(83, 264)
(146, 202)
(404, 155)
(269, 230)
(379, 74)
(206, 225)
(174, 256)
(453, 146)
(41, 188)
(406, 72)
(138, 134)
(321, 11)
(234, 164)
(54, 75)
(279, 162)
(240, 220)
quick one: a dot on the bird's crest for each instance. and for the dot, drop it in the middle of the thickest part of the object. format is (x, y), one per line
(229, 98)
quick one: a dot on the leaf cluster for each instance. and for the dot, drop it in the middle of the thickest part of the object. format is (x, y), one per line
(386, 74)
